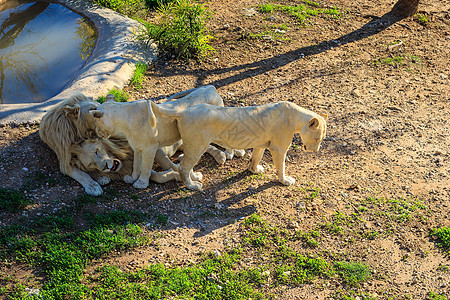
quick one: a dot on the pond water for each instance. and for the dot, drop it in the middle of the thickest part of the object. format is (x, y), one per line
(42, 46)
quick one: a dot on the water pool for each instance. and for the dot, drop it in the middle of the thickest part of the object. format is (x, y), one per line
(42, 46)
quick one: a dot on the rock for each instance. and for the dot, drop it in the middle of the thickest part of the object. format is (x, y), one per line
(293, 225)
(249, 12)
(356, 93)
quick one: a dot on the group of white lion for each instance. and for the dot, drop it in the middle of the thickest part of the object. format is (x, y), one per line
(96, 143)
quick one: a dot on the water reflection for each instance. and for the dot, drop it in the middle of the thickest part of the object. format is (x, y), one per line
(42, 46)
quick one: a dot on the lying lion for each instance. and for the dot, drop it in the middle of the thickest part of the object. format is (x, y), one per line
(268, 126)
(111, 159)
(145, 132)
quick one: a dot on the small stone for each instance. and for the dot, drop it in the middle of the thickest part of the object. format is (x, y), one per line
(293, 224)
(225, 27)
(25, 169)
(249, 12)
(356, 93)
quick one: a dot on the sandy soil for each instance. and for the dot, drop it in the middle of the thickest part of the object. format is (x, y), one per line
(388, 137)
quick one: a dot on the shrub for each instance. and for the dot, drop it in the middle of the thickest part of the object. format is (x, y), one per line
(180, 30)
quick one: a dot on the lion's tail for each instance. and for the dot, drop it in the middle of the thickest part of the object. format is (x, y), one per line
(167, 112)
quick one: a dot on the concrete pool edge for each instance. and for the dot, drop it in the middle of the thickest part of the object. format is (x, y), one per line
(111, 64)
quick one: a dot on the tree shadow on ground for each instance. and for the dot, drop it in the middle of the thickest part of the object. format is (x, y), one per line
(375, 26)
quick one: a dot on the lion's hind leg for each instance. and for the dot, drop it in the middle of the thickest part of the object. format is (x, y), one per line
(163, 177)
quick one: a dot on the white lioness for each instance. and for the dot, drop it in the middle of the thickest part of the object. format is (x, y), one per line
(268, 126)
(144, 131)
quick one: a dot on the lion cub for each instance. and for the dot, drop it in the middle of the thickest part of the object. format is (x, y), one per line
(268, 126)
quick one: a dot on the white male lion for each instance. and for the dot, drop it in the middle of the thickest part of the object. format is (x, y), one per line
(112, 159)
(66, 124)
(267, 126)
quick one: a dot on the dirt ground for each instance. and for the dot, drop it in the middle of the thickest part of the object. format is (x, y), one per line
(388, 137)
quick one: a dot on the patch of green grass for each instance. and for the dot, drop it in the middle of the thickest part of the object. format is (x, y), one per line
(63, 248)
(302, 270)
(138, 75)
(421, 19)
(435, 296)
(275, 32)
(443, 237)
(352, 273)
(13, 200)
(301, 12)
(399, 61)
(309, 238)
(36, 179)
(214, 277)
(119, 95)
(258, 231)
(180, 30)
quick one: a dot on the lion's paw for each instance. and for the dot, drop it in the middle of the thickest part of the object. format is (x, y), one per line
(197, 176)
(239, 153)
(195, 185)
(128, 179)
(288, 180)
(259, 169)
(139, 184)
(221, 158)
(229, 155)
(177, 176)
(103, 180)
(93, 189)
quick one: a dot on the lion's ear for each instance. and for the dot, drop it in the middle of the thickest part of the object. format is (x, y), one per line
(323, 114)
(313, 123)
(72, 111)
(96, 113)
(75, 148)
(110, 98)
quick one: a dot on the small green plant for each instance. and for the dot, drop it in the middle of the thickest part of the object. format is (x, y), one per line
(301, 12)
(13, 200)
(352, 272)
(181, 30)
(138, 76)
(127, 7)
(443, 237)
(421, 19)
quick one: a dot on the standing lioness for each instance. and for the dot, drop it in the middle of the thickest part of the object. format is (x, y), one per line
(268, 126)
(145, 131)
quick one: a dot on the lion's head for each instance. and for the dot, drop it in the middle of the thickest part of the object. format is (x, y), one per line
(111, 158)
(68, 123)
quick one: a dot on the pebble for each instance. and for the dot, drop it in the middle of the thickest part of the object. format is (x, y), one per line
(25, 169)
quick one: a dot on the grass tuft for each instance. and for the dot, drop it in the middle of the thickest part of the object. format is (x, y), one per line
(443, 237)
